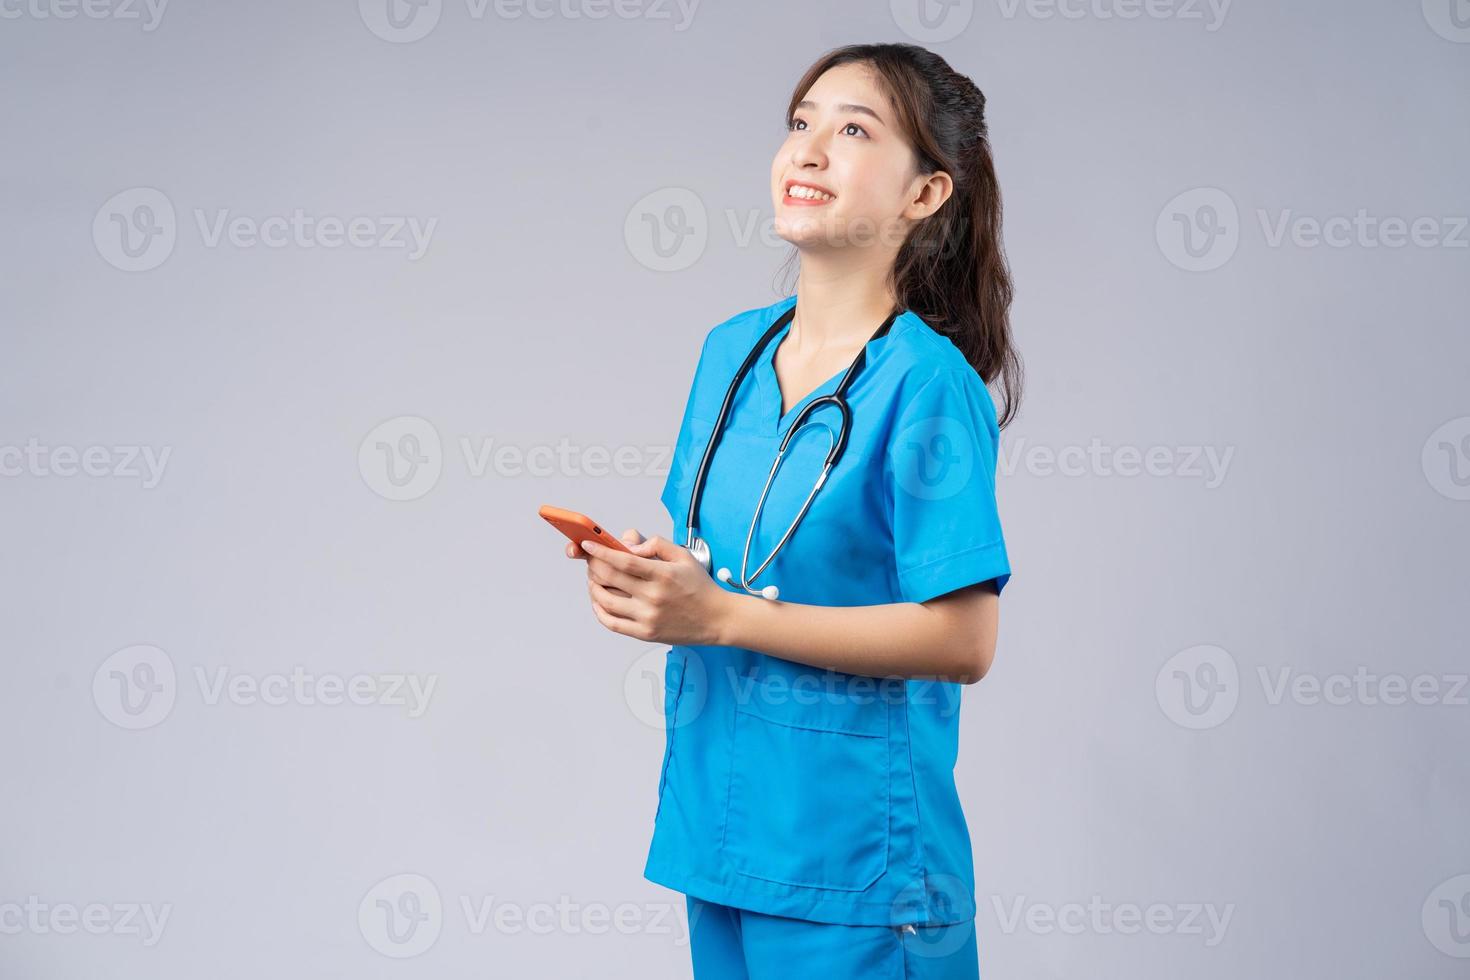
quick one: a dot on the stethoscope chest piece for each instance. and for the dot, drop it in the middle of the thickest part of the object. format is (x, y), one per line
(700, 550)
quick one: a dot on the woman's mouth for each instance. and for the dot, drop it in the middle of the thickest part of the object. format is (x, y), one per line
(799, 194)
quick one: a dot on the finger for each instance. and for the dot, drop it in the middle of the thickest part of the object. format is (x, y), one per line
(611, 588)
(625, 563)
(643, 549)
(666, 550)
(604, 573)
(572, 551)
(631, 536)
(614, 623)
(622, 606)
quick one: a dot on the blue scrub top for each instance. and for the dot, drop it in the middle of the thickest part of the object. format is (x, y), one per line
(811, 793)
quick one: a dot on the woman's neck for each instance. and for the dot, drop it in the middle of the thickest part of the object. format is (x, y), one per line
(838, 308)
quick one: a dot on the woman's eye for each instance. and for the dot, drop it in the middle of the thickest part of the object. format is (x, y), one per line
(800, 125)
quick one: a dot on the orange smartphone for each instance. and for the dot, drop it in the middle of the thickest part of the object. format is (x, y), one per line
(579, 527)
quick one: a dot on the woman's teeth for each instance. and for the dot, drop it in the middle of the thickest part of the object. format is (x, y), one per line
(808, 193)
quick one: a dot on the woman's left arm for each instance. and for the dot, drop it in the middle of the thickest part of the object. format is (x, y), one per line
(950, 637)
(661, 594)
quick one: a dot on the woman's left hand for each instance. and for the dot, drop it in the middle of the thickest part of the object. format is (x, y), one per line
(669, 597)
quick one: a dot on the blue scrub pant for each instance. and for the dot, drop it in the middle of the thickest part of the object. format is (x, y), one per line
(738, 944)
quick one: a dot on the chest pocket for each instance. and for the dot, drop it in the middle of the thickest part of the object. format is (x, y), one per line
(808, 798)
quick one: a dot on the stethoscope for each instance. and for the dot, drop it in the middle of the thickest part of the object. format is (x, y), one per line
(837, 442)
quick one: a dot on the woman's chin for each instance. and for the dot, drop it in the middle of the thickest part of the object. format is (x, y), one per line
(807, 234)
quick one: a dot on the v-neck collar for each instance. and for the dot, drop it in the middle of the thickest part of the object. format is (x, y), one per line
(773, 420)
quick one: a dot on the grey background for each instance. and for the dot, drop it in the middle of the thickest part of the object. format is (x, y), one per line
(1333, 833)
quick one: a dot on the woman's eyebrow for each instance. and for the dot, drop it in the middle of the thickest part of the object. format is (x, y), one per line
(842, 107)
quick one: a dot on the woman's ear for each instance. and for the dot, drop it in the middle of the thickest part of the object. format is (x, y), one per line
(930, 193)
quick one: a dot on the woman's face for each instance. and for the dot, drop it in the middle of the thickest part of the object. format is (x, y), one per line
(846, 174)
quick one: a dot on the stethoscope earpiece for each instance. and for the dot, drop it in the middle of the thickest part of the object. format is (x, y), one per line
(769, 592)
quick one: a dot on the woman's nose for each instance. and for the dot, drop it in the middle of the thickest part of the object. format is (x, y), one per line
(810, 152)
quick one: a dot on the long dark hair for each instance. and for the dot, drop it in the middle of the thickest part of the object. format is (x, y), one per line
(951, 270)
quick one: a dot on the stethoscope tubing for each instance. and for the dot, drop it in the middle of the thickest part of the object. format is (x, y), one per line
(745, 580)
(838, 399)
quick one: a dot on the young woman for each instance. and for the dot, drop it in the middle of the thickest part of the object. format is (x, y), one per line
(807, 805)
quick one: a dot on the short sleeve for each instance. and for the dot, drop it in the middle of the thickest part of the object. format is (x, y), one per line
(940, 476)
(684, 458)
